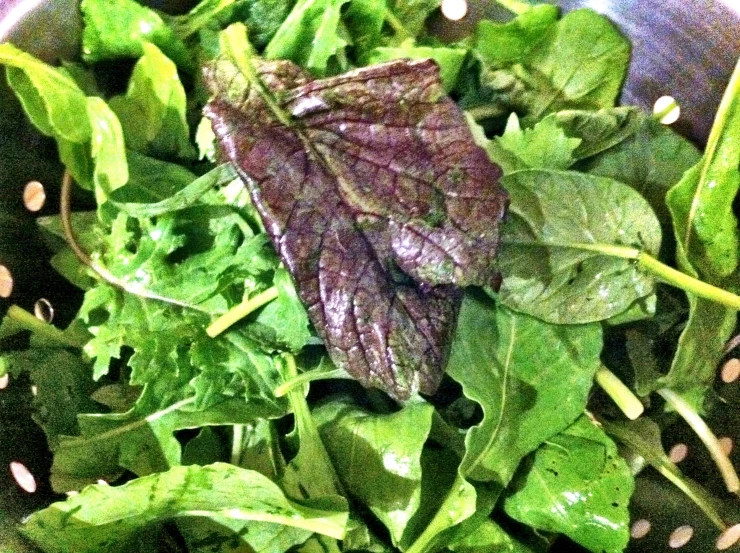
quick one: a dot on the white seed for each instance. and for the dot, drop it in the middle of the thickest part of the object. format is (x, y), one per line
(454, 10)
(4, 381)
(640, 528)
(667, 102)
(678, 453)
(6, 282)
(23, 476)
(34, 196)
(680, 536)
(729, 537)
(43, 310)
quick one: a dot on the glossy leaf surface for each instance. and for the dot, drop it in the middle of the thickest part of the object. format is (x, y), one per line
(378, 201)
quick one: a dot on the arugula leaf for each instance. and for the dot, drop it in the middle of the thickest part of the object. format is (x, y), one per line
(531, 379)
(109, 518)
(707, 237)
(310, 36)
(152, 113)
(555, 256)
(115, 29)
(545, 146)
(378, 465)
(578, 485)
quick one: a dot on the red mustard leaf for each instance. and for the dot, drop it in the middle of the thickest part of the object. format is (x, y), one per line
(376, 198)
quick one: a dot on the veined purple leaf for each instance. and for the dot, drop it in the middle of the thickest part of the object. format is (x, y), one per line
(376, 198)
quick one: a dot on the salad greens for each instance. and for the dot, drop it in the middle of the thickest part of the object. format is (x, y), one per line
(191, 402)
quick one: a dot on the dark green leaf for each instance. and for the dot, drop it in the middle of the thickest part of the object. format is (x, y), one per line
(152, 113)
(531, 379)
(555, 257)
(378, 457)
(108, 518)
(115, 29)
(578, 485)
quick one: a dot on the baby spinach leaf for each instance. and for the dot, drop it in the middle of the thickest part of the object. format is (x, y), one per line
(377, 199)
(531, 379)
(310, 35)
(108, 518)
(578, 485)
(378, 457)
(545, 146)
(450, 60)
(555, 256)
(152, 113)
(115, 29)
(599, 130)
(577, 63)
(489, 537)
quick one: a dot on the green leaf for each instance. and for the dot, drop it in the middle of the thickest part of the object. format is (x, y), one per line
(545, 146)
(531, 379)
(500, 44)
(487, 538)
(707, 237)
(106, 149)
(108, 518)
(450, 60)
(364, 20)
(115, 29)
(310, 35)
(152, 113)
(600, 130)
(378, 457)
(577, 63)
(578, 485)
(558, 259)
(52, 100)
(408, 17)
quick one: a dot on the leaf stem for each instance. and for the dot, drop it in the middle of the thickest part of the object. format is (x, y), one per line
(34, 324)
(237, 313)
(705, 434)
(306, 377)
(237, 444)
(628, 402)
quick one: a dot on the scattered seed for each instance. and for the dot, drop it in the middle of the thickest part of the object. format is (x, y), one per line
(34, 196)
(34, 390)
(729, 537)
(4, 381)
(44, 310)
(680, 536)
(663, 103)
(726, 444)
(678, 453)
(454, 10)
(6, 282)
(730, 370)
(640, 528)
(23, 476)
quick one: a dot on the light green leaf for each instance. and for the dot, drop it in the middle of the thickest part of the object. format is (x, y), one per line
(450, 60)
(599, 130)
(310, 35)
(108, 518)
(152, 113)
(531, 379)
(107, 150)
(556, 257)
(578, 485)
(378, 462)
(545, 146)
(489, 537)
(53, 101)
(115, 29)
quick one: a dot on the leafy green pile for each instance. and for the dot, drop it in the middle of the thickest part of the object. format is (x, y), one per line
(215, 443)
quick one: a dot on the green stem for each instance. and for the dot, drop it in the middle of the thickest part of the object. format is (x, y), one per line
(34, 324)
(676, 278)
(628, 402)
(309, 376)
(398, 27)
(237, 313)
(237, 444)
(705, 435)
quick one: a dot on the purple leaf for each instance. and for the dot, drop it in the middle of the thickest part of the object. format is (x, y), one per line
(376, 198)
